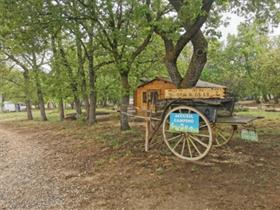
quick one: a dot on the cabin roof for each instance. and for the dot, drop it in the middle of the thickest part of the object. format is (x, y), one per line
(200, 83)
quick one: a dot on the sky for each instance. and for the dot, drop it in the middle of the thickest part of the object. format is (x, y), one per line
(235, 20)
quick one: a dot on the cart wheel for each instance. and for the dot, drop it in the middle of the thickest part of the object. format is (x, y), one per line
(223, 133)
(187, 145)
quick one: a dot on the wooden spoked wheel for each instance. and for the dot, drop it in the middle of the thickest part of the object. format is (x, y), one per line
(188, 145)
(223, 133)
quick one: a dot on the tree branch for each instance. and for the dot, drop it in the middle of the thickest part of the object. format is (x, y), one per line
(98, 66)
(12, 81)
(27, 59)
(14, 59)
(142, 46)
(42, 62)
(194, 28)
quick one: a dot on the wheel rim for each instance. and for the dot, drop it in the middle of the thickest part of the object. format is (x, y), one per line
(188, 145)
(223, 134)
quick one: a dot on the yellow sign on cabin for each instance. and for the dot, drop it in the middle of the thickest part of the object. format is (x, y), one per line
(195, 93)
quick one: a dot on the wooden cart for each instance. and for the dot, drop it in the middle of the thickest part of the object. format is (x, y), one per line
(193, 120)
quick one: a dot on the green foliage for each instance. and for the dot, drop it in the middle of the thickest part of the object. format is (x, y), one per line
(11, 83)
(248, 64)
(190, 10)
(267, 71)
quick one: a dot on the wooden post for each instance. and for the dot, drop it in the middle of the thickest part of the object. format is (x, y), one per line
(147, 134)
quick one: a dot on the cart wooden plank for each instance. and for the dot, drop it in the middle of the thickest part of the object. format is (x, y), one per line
(235, 120)
(195, 93)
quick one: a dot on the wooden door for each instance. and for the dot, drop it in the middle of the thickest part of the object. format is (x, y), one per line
(153, 96)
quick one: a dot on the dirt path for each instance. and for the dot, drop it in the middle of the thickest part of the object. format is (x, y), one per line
(24, 183)
(32, 175)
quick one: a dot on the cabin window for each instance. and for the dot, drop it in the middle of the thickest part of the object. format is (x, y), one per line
(144, 97)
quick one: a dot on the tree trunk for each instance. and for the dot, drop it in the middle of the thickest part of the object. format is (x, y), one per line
(92, 94)
(78, 107)
(56, 67)
(81, 70)
(171, 65)
(1, 102)
(73, 83)
(92, 109)
(265, 99)
(276, 99)
(257, 99)
(198, 61)
(28, 109)
(27, 95)
(86, 103)
(104, 103)
(61, 109)
(124, 101)
(40, 96)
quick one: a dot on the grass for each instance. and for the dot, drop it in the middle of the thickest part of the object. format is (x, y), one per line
(113, 145)
(269, 125)
(260, 113)
(104, 132)
(19, 116)
(108, 132)
(52, 115)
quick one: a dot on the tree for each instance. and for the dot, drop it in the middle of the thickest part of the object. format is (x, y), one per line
(11, 84)
(186, 26)
(27, 82)
(23, 44)
(176, 32)
(56, 70)
(267, 72)
(122, 33)
(245, 63)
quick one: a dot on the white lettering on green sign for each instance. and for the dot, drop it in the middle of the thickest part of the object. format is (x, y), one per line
(249, 135)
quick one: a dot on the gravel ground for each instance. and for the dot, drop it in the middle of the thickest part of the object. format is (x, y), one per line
(27, 181)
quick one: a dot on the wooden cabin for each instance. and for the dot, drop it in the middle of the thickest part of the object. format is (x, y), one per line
(148, 93)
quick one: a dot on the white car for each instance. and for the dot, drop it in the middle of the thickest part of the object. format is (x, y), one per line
(9, 106)
(22, 107)
(12, 107)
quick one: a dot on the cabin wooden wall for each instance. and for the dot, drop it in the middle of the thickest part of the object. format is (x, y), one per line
(160, 85)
